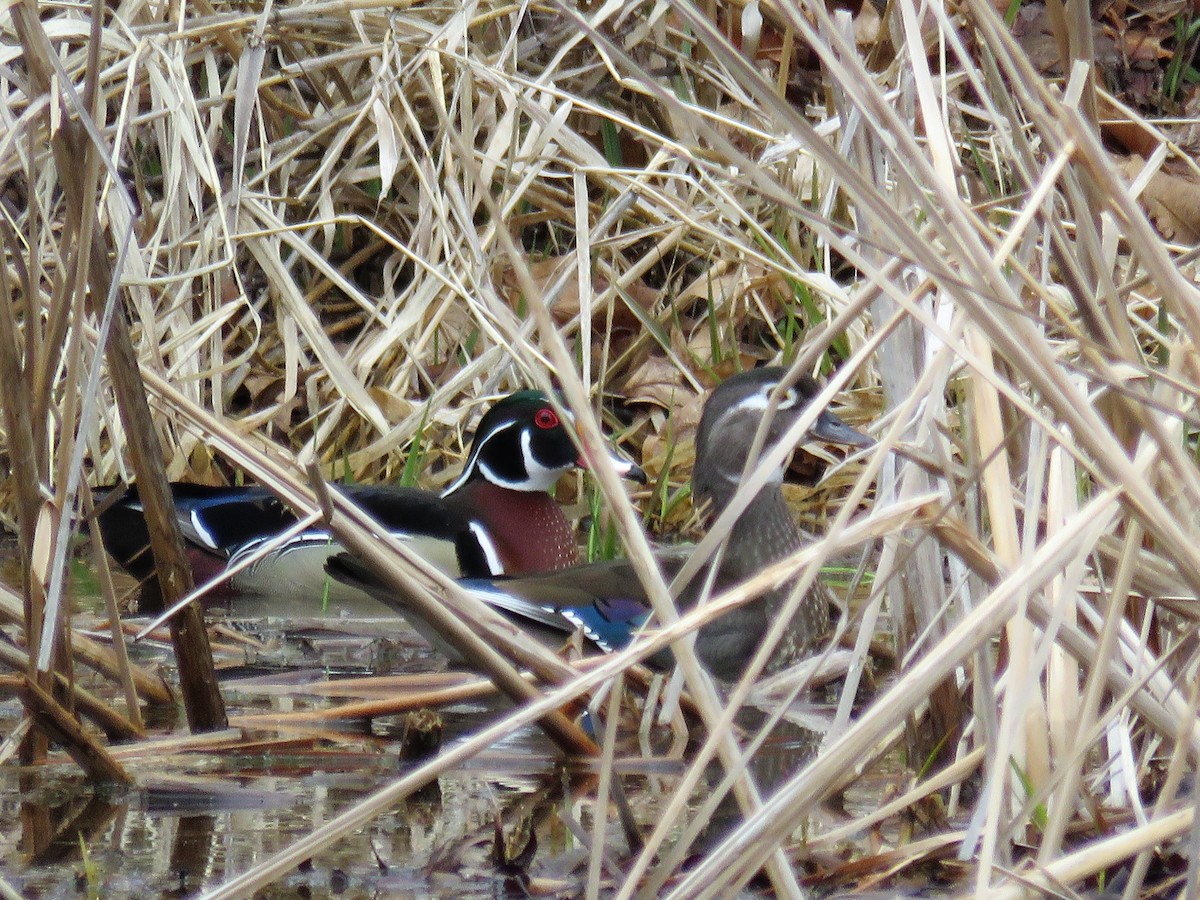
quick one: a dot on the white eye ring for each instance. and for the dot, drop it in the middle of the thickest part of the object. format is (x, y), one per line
(790, 399)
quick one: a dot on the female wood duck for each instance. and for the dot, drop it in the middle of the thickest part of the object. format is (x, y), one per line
(606, 600)
(497, 518)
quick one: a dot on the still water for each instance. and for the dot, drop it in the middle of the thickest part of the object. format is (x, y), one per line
(204, 812)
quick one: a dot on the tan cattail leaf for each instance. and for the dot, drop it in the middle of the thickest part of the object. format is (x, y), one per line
(389, 144)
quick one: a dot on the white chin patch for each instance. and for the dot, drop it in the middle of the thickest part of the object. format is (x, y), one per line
(475, 460)
(537, 477)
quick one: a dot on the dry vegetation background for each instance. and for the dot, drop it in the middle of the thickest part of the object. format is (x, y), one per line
(338, 224)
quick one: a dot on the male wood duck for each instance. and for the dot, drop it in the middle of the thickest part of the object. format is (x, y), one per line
(606, 600)
(497, 518)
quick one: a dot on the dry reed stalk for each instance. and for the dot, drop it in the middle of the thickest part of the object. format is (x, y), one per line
(356, 532)
(584, 682)
(94, 655)
(604, 787)
(70, 144)
(115, 726)
(363, 687)
(125, 670)
(320, 252)
(368, 709)
(61, 725)
(209, 741)
(697, 681)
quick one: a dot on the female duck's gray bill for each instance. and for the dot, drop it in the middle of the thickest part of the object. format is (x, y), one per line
(830, 428)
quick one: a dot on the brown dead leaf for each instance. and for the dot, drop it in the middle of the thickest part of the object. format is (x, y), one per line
(202, 465)
(1186, 133)
(1187, 357)
(697, 346)
(394, 407)
(545, 272)
(868, 26)
(1131, 135)
(807, 468)
(1171, 199)
(261, 386)
(658, 381)
(1034, 32)
(674, 442)
(736, 285)
(1140, 45)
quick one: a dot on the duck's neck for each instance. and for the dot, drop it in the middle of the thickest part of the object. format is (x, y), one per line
(764, 533)
(527, 528)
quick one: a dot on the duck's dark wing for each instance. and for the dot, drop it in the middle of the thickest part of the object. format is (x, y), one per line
(604, 600)
(601, 599)
(407, 510)
(214, 519)
(416, 517)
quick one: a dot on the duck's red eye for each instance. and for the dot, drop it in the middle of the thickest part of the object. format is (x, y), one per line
(545, 419)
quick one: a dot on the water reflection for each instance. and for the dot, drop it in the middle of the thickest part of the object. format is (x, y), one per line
(510, 822)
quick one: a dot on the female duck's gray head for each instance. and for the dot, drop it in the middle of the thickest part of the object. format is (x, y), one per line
(732, 417)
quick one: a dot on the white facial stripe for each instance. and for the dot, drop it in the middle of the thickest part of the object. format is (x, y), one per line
(761, 399)
(489, 549)
(537, 476)
(473, 461)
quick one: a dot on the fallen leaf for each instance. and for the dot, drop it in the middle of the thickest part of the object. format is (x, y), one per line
(657, 380)
(566, 306)
(394, 407)
(1172, 201)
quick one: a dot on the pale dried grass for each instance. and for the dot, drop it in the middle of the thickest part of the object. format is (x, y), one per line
(342, 211)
